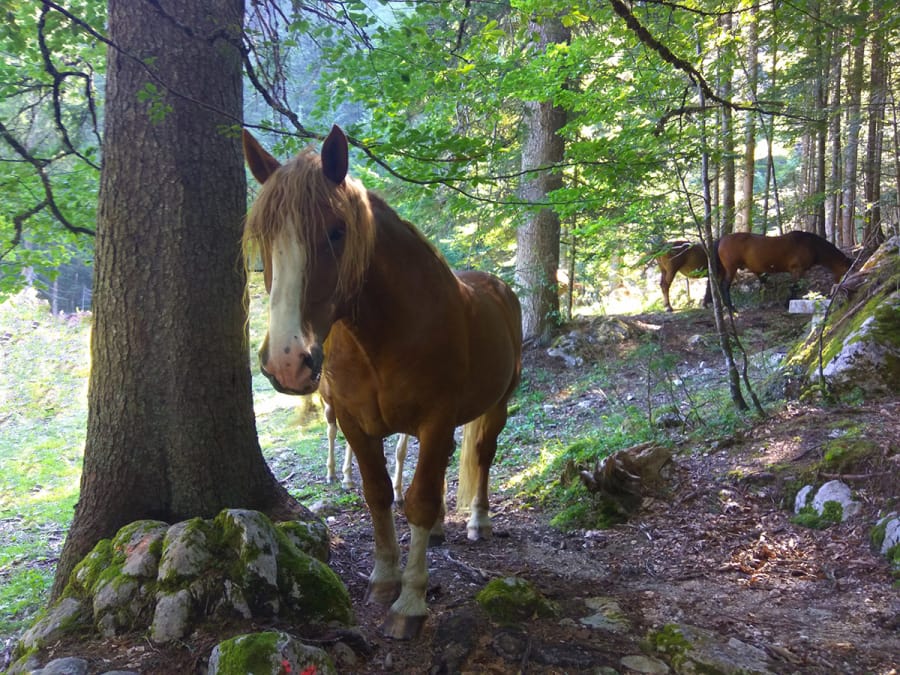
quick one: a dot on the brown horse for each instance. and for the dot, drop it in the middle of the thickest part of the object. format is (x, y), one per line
(794, 252)
(680, 256)
(347, 468)
(412, 347)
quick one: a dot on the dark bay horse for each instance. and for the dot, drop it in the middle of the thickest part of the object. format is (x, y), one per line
(794, 252)
(680, 256)
(412, 348)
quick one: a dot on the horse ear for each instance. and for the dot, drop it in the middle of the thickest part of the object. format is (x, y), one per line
(261, 163)
(335, 159)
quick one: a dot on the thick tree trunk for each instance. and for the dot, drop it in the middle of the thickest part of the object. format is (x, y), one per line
(171, 432)
(537, 239)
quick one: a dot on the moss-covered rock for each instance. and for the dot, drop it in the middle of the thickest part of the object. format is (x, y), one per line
(689, 649)
(860, 344)
(269, 653)
(168, 579)
(512, 600)
(311, 537)
(885, 538)
(309, 587)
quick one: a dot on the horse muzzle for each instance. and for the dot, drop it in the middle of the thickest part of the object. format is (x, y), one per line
(297, 374)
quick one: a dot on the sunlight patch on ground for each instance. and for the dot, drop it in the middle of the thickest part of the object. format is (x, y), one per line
(547, 456)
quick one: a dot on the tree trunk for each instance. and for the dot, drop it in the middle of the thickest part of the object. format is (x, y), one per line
(877, 98)
(729, 172)
(851, 149)
(171, 432)
(537, 239)
(752, 37)
(833, 199)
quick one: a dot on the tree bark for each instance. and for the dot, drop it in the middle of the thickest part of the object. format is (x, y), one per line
(727, 223)
(171, 432)
(851, 149)
(751, 35)
(873, 235)
(537, 239)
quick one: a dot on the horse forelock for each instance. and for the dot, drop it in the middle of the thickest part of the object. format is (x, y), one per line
(295, 201)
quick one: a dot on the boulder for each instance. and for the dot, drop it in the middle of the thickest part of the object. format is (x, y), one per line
(169, 579)
(860, 342)
(268, 653)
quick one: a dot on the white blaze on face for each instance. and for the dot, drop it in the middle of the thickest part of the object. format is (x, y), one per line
(287, 346)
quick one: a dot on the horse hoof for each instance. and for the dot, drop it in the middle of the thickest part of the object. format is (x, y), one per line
(347, 484)
(401, 627)
(478, 533)
(435, 540)
(383, 592)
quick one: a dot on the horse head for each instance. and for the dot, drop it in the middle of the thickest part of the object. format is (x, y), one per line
(312, 226)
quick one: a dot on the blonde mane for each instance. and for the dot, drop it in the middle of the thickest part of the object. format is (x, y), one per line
(297, 196)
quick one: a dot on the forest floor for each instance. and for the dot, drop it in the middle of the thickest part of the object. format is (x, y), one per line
(719, 552)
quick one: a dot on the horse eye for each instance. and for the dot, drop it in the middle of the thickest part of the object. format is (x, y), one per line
(335, 234)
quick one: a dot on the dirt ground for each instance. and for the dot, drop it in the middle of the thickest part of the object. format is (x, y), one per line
(719, 552)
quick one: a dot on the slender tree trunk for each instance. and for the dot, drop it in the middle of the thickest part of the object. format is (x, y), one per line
(538, 238)
(819, 141)
(872, 170)
(171, 432)
(749, 170)
(851, 149)
(833, 199)
(728, 170)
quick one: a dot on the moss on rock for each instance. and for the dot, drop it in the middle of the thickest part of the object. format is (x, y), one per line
(513, 600)
(310, 588)
(310, 537)
(269, 653)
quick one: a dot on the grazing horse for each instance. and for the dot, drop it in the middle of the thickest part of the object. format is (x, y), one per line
(347, 468)
(412, 348)
(680, 256)
(794, 252)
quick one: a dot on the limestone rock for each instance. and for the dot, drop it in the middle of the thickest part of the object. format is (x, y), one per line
(270, 652)
(169, 579)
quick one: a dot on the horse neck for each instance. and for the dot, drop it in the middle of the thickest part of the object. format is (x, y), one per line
(834, 259)
(405, 280)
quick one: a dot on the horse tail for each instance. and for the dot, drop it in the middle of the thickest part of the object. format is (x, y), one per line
(468, 463)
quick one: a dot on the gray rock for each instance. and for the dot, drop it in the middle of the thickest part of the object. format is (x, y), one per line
(185, 551)
(836, 491)
(644, 664)
(65, 666)
(61, 617)
(282, 651)
(832, 491)
(698, 650)
(258, 546)
(171, 620)
(891, 524)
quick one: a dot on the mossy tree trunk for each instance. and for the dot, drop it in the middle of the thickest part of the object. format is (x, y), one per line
(171, 432)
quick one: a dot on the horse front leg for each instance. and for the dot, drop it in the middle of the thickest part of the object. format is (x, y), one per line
(423, 509)
(385, 579)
